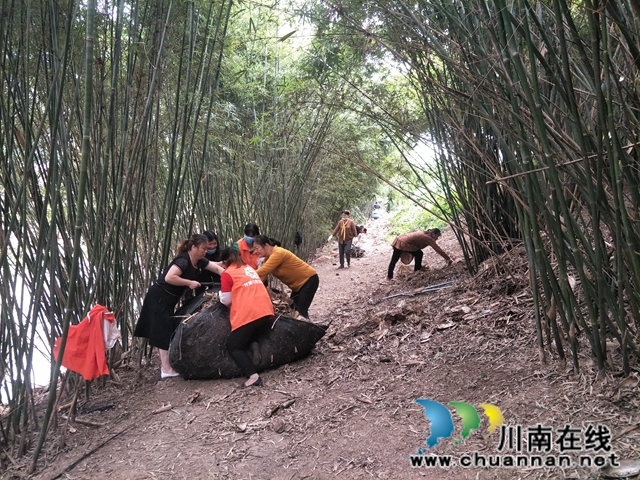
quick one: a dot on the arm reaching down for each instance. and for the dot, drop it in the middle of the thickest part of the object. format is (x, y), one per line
(353, 229)
(173, 278)
(440, 252)
(270, 264)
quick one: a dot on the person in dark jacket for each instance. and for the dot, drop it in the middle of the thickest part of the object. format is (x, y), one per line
(211, 279)
(213, 255)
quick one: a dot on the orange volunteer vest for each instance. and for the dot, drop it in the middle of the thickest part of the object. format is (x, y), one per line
(249, 258)
(249, 298)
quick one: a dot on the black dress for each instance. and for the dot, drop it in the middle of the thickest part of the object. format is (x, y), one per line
(156, 321)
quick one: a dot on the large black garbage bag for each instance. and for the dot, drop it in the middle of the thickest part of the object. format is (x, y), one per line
(198, 348)
(191, 305)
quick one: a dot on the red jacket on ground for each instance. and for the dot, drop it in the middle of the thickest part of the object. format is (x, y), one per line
(84, 351)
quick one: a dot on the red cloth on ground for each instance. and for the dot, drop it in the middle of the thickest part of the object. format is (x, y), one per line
(84, 351)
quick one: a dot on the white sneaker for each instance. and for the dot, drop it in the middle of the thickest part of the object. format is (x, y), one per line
(168, 375)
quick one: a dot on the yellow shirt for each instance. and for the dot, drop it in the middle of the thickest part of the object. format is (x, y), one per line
(287, 268)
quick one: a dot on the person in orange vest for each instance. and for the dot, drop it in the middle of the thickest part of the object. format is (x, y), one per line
(157, 321)
(413, 243)
(346, 231)
(246, 247)
(251, 311)
(296, 274)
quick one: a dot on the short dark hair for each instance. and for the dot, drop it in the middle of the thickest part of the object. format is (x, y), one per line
(434, 230)
(251, 229)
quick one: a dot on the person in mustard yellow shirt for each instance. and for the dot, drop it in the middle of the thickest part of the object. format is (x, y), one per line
(251, 311)
(296, 274)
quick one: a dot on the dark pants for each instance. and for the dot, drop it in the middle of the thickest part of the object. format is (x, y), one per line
(345, 248)
(302, 298)
(239, 340)
(396, 256)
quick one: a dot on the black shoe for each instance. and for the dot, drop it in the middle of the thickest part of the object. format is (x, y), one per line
(257, 383)
(341, 266)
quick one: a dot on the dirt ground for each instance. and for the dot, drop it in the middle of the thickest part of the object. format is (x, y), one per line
(348, 411)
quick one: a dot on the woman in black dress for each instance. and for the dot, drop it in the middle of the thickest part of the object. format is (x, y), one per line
(156, 321)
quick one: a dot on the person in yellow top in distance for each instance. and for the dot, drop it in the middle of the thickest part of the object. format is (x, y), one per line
(346, 231)
(296, 274)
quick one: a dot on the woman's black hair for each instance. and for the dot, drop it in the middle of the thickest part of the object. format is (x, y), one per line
(210, 235)
(251, 229)
(230, 255)
(195, 240)
(263, 240)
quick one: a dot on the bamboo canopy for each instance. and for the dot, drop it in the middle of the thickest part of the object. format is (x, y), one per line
(125, 130)
(533, 111)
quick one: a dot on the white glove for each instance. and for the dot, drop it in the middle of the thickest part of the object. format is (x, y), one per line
(330, 237)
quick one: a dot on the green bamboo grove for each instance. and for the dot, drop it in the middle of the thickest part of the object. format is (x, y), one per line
(127, 127)
(533, 108)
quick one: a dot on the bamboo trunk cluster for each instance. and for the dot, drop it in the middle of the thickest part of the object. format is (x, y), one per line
(535, 114)
(118, 140)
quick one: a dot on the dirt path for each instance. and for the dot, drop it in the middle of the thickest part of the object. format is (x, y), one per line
(349, 411)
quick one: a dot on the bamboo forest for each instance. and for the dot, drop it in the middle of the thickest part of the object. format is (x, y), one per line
(128, 126)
